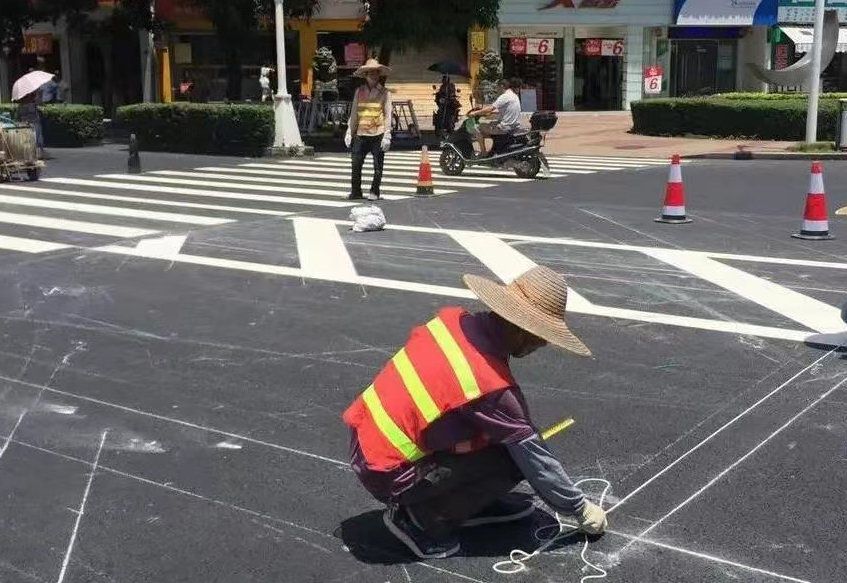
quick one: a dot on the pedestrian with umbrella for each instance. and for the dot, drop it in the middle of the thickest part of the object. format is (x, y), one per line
(26, 92)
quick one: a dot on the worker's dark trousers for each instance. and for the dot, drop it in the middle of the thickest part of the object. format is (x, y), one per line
(360, 148)
(456, 487)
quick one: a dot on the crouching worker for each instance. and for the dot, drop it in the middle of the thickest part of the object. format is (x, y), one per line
(444, 434)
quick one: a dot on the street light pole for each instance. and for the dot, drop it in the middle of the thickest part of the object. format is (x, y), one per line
(815, 75)
(287, 133)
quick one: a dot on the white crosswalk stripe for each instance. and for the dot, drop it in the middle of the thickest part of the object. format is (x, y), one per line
(59, 213)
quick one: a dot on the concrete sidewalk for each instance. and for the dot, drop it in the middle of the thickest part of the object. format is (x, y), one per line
(607, 134)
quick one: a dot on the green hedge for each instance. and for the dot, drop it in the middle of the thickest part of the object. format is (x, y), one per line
(777, 96)
(67, 125)
(775, 119)
(198, 128)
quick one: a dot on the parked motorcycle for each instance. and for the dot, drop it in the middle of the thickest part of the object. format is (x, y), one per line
(520, 151)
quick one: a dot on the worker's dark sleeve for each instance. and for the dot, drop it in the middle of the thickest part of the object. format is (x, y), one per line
(546, 475)
(504, 418)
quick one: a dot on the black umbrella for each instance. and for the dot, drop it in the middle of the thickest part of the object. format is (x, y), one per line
(449, 68)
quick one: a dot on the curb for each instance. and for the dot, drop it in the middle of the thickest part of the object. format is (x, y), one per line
(768, 156)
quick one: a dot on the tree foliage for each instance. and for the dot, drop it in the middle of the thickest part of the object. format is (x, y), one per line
(414, 24)
(18, 15)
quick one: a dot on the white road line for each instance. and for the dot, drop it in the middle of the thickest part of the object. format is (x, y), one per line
(741, 460)
(414, 168)
(81, 510)
(29, 245)
(168, 246)
(332, 167)
(76, 226)
(341, 187)
(199, 192)
(11, 435)
(321, 249)
(269, 174)
(793, 305)
(282, 188)
(718, 431)
(645, 161)
(142, 200)
(112, 210)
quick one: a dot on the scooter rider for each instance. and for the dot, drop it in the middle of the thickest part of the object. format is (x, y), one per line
(507, 108)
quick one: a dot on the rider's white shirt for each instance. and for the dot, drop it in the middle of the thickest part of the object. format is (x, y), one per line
(508, 107)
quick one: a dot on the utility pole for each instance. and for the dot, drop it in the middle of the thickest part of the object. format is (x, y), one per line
(815, 76)
(286, 134)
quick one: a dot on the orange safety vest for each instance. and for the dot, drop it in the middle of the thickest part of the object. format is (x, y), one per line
(437, 371)
(371, 112)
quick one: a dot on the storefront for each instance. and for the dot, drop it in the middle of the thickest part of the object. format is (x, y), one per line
(588, 55)
(793, 38)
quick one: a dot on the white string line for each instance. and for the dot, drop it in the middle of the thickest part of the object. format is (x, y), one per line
(719, 431)
(343, 465)
(740, 460)
(81, 510)
(12, 434)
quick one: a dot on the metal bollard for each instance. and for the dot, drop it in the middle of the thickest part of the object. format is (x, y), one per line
(134, 164)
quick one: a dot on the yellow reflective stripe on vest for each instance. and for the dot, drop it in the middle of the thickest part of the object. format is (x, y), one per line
(416, 388)
(388, 428)
(456, 357)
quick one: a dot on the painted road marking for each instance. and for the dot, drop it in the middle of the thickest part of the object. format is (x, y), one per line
(841, 211)
(470, 171)
(112, 210)
(321, 249)
(334, 167)
(142, 200)
(29, 245)
(199, 192)
(76, 226)
(341, 186)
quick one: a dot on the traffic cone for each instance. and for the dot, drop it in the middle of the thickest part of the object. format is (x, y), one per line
(674, 209)
(134, 162)
(815, 223)
(425, 187)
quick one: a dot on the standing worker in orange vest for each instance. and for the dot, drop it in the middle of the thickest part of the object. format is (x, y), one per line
(443, 434)
(369, 127)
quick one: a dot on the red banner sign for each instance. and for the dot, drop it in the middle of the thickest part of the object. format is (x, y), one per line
(38, 43)
(354, 54)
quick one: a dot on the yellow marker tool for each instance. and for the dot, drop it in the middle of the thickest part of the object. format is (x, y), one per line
(842, 211)
(557, 428)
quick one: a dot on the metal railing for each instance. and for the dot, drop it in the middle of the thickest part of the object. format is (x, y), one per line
(315, 115)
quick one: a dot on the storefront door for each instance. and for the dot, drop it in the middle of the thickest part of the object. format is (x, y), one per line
(541, 72)
(702, 67)
(597, 78)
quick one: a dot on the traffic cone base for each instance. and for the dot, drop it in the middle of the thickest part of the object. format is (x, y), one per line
(425, 186)
(673, 211)
(815, 223)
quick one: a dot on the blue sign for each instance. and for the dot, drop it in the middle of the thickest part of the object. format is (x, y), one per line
(726, 12)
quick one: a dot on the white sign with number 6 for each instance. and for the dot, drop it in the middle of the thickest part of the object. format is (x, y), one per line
(540, 46)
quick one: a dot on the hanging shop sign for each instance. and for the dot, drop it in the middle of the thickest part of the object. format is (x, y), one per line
(532, 46)
(653, 80)
(579, 4)
(477, 41)
(803, 11)
(354, 54)
(38, 43)
(604, 47)
(725, 12)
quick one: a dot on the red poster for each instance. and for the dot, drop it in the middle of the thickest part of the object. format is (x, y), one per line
(354, 54)
(593, 47)
(517, 46)
(38, 43)
(781, 58)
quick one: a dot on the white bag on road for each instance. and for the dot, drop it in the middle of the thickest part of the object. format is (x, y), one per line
(367, 218)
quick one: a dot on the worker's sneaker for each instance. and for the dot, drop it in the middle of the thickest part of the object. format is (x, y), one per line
(506, 509)
(424, 545)
(353, 196)
(373, 196)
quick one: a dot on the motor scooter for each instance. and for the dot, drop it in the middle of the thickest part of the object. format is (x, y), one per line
(519, 151)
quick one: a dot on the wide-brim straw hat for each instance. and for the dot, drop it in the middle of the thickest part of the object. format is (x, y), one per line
(371, 65)
(536, 302)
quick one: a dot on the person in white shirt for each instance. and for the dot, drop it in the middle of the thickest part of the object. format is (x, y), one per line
(507, 108)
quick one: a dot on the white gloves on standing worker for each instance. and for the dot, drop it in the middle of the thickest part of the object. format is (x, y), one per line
(592, 519)
(348, 138)
(386, 141)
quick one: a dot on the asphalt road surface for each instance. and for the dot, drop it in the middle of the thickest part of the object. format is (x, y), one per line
(177, 348)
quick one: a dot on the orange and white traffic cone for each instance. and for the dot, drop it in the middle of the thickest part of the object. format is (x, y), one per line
(815, 223)
(425, 187)
(673, 210)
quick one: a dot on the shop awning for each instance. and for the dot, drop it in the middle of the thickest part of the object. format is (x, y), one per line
(725, 12)
(802, 36)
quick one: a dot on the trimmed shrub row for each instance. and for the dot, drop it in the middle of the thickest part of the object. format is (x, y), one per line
(764, 119)
(778, 96)
(67, 125)
(200, 128)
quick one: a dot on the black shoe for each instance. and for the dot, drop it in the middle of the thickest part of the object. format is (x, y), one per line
(352, 196)
(424, 545)
(507, 509)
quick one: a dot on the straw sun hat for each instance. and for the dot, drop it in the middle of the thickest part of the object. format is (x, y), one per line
(371, 65)
(535, 301)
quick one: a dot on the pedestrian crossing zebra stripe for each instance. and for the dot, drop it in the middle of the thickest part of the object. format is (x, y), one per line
(338, 168)
(23, 245)
(74, 226)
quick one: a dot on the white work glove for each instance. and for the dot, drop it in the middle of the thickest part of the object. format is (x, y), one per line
(592, 519)
(348, 139)
(386, 142)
